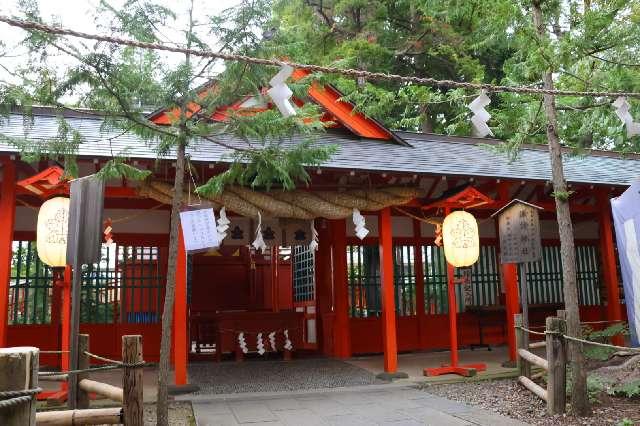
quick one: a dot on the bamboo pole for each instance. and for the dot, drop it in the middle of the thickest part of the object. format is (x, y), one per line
(94, 416)
(533, 359)
(58, 378)
(113, 393)
(535, 345)
(533, 387)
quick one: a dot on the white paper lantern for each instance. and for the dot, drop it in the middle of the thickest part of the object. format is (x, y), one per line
(51, 239)
(460, 238)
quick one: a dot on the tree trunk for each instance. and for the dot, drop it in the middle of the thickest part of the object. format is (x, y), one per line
(162, 402)
(162, 408)
(579, 398)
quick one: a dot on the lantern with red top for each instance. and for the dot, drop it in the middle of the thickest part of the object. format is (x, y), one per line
(459, 234)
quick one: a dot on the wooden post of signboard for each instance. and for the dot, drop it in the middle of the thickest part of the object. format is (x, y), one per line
(519, 229)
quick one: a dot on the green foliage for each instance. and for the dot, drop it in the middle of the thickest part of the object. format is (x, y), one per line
(117, 168)
(123, 83)
(595, 386)
(629, 389)
(603, 336)
(625, 422)
(271, 165)
(562, 195)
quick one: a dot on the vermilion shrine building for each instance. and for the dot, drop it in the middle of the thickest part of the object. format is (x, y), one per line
(331, 300)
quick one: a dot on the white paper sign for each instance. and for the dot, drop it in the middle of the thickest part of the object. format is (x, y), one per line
(199, 229)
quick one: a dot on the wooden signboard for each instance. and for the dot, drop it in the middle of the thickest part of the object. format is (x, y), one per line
(519, 227)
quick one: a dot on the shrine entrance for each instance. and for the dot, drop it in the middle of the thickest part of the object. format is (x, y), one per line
(247, 303)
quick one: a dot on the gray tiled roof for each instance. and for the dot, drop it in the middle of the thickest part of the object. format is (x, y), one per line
(429, 153)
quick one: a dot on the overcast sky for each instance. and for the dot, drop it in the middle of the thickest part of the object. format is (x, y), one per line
(80, 15)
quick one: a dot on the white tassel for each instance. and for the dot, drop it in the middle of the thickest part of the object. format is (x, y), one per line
(480, 114)
(280, 92)
(223, 224)
(260, 344)
(272, 341)
(622, 111)
(359, 222)
(287, 343)
(242, 343)
(313, 245)
(259, 243)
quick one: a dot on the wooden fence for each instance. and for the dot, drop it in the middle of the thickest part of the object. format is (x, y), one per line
(130, 396)
(555, 364)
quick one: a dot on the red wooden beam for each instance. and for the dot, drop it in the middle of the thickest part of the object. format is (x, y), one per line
(7, 219)
(389, 340)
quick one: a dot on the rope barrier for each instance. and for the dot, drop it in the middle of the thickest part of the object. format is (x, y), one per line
(602, 322)
(583, 341)
(428, 81)
(603, 345)
(101, 358)
(54, 352)
(538, 333)
(15, 401)
(17, 393)
(17, 397)
(83, 370)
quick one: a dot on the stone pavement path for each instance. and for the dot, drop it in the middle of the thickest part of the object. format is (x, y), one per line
(366, 405)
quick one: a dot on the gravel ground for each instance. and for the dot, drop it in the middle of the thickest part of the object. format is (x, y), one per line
(508, 398)
(275, 376)
(180, 414)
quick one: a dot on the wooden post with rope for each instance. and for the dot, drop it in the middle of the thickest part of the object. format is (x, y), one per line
(557, 361)
(82, 396)
(19, 373)
(132, 396)
(524, 369)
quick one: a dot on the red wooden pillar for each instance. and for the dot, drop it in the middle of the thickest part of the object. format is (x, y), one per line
(180, 329)
(7, 219)
(419, 271)
(389, 341)
(275, 281)
(66, 317)
(324, 288)
(453, 314)
(512, 307)
(608, 255)
(341, 331)
(509, 273)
